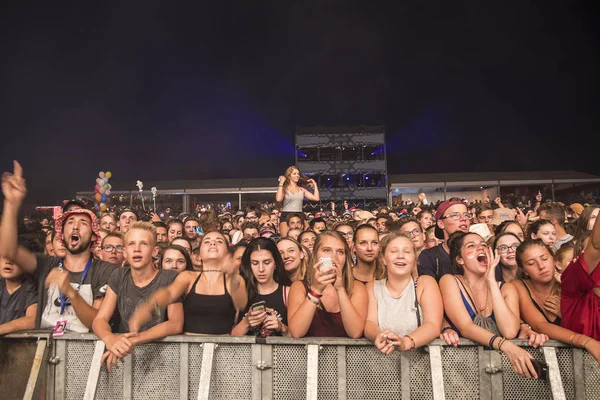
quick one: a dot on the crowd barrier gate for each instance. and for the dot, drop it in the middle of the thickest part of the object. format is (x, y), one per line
(33, 365)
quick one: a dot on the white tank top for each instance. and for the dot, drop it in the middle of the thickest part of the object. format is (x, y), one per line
(293, 202)
(398, 315)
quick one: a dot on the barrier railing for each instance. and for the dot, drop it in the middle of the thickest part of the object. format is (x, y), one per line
(35, 366)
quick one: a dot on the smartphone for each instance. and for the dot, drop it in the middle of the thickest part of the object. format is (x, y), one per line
(198, 230)
(541, 369)
(259, 306)
(326, 264)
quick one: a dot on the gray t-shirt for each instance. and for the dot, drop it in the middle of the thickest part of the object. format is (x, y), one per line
(129, 296)
(14, 306)
(93, 287)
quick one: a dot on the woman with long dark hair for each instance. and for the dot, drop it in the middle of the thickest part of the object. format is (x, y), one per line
(292, 190)
(266, 281)
(476, 307)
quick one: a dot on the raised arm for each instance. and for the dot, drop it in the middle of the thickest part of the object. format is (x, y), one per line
(505, 302)
(314, 196)
(14, 190)
(280, 193)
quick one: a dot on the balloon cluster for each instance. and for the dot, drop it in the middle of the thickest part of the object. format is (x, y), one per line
(102, 191)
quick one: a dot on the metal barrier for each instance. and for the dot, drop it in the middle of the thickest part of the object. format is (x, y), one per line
(33, 365)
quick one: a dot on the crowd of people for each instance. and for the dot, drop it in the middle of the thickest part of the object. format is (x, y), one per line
(401, 277)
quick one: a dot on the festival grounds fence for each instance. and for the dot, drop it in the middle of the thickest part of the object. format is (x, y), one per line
(34, 365)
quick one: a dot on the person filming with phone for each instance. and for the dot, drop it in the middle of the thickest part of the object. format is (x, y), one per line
(329, 303)
(268, 288)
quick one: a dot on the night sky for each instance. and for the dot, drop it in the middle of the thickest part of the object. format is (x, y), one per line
(158, 91)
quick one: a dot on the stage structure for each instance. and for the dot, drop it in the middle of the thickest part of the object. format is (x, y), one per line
(348, 162)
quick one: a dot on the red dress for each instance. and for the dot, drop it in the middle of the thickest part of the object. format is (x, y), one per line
(580, 306)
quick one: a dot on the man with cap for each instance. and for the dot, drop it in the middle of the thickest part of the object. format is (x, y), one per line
(451, 216)
(126, 217)
(576, 210)
(70, 289)
(73, 205)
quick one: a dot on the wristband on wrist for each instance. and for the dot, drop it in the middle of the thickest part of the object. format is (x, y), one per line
(586, 342)
(573, 339)
(313, 300)
(526, 324)
(446, 328)
(315, 294)
(412, 341)
(501, 343)
(491, 342)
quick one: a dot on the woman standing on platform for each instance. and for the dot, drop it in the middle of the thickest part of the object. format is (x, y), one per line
(212, 297)
(292, 192)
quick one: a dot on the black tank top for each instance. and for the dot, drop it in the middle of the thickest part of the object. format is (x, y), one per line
(273, 300)
(556, 320)
(208, 314)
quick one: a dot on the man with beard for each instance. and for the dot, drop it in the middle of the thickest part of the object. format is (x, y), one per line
(70, 289)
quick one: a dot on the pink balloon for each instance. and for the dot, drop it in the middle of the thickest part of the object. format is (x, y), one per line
(101, 174)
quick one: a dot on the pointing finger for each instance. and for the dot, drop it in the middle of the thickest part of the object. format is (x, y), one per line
(18, 170)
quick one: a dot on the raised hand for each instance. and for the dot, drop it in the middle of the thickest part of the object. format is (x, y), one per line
(13, 185)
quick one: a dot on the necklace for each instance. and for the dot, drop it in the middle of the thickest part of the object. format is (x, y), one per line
(487, 292)
(211, 285)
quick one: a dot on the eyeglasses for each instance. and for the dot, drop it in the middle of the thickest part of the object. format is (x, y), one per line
(456, 216)
(109, 248)
(414, 232)
(504, 248)
(348, 235)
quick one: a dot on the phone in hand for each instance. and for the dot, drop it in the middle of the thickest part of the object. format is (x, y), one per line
(259, 306)
(198, 230)
(326, 264)
(541, 369)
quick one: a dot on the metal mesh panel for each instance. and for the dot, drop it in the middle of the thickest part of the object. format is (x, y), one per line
(364, 378)
(110, 385)
(79, 358)
(519, 388)
(420, 375)
(565, 365)
(328, 373)
(231, 372)
(592, 376)
(289, 372)
(461, 372)
(16, 359)
(156, 371)
(194, 367)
